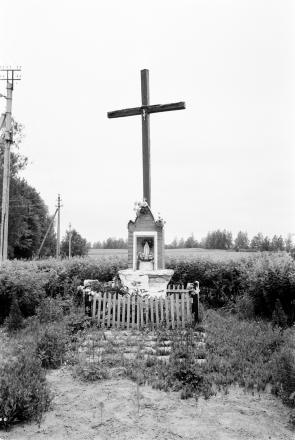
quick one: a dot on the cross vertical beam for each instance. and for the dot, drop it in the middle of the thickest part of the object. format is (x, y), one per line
(145, 119)
(145, 111)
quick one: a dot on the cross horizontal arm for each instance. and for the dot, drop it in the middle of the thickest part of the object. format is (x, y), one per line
(149, 109)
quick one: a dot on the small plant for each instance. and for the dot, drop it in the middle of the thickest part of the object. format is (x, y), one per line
(14, 321)
(91, 372)
(24, 392)
(279, 317)
(101, 406)
(50, 310)
(51, 345)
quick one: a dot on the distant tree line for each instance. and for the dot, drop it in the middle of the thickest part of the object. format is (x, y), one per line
(224, 240)
(215, 240)
(111, 243)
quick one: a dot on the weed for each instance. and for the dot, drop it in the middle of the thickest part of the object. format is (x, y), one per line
(14, 321)
(24, 393)
(90, 372)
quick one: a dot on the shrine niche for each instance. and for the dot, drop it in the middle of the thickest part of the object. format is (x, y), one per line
(145, 240)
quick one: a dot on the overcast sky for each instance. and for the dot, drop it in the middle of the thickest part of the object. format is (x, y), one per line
(226, 162)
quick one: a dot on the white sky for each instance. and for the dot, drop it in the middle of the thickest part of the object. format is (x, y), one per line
(226, 162)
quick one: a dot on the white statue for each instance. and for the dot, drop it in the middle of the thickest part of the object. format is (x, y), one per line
(146, 250)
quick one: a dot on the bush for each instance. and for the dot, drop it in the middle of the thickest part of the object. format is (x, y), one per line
(244, 307)
(15, 319)
(51, 345)
(24, 392)
(50, 310)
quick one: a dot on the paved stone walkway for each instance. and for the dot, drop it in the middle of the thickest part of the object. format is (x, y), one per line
(132, 344)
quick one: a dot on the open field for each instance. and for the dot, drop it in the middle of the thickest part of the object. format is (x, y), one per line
(190, 253)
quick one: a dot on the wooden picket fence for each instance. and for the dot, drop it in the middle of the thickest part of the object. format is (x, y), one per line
(115, 310)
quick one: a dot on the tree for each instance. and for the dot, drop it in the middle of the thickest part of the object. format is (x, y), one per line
(190, 242)
(288, 242)
(97, 245)
(256, 242)
(79, 245)
(28, 215)
(242, 241)
(218, 240)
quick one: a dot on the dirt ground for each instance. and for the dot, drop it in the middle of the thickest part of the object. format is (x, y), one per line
(76, 414)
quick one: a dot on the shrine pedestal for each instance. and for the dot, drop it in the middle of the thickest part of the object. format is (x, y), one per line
(154, 282)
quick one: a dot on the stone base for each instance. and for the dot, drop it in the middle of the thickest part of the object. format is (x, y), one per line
(153, 282)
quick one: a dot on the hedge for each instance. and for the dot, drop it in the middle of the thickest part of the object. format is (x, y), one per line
(264, 277)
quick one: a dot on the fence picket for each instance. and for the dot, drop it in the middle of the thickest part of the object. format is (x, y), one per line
(157, 311)
(146, 311)
(104, 309)
(177, 309)
(93, 305)
(128, 312)
(141, 312)
(98, 309)
(183, 311)
(109, 305)
(172, 310)
(133, 312)
(119, 311)
(138, 312)
(188, 303)
(162, 312)
(167, 300)
(123, 312)
(114, 309)
(152, 312)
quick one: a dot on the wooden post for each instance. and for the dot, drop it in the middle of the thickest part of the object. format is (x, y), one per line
(58, 228)
(6, 175)
(70, 241)
(145, 119)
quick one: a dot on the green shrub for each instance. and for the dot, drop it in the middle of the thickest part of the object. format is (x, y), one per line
(15, 319)
(244, 307)
(49, 310)
(279, 318)
(51, 345)
(91, 372)
(24, 392)
(25, 282)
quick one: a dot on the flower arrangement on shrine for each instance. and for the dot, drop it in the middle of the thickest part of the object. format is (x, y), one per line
(143, 257)
(160, 222)
(141, 207)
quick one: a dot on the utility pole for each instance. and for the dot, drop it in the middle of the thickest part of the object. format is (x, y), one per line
(49, 227)
(10, 78)
(70, 241)
(58, 227)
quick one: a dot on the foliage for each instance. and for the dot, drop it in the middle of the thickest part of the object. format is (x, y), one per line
(111, 243)
(241, 241)
(263, 278)
(91, 372)
(283, 372)
(24, 392)
(28, 215)
(25, 282)
(15, 319)
(79, 245)
(50, 310)
(51, 345)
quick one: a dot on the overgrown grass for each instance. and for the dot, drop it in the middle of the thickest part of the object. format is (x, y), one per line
(247, 353)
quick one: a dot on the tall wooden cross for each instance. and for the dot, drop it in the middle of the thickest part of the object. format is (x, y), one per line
(145, 111)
